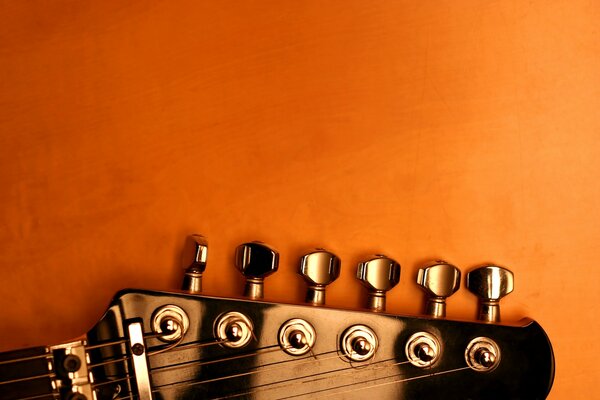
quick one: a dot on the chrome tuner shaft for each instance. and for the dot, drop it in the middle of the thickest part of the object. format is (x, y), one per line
(318, 268)
(378, 274)
(440, 280)
(256, 261)
(192, 280)
(490, 283)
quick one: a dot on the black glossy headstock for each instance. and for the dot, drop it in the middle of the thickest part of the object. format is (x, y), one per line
(202, 364)
(169, 346)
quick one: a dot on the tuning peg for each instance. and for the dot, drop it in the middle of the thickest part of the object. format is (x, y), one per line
(440, 280)
(192, 280)
(256, 261)
(379, 274)
(319, 268)
(490, 283)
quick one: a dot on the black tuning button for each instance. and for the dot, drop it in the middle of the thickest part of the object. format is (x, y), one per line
(256, 261)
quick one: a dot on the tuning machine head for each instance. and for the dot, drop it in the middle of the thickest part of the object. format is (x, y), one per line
(256, 261)
(378, 274)
(490, 283)
(440, 280)
(192, 280)
(319, 268)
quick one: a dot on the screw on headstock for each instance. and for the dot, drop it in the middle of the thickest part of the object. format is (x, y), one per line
(378, 274)
(319, 268)
(440, 280)
(490, 283)
(192, 280)
(256, 261)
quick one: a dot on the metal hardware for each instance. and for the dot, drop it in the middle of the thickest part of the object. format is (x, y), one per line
(482, 354)
(234, 329)
(490, 283)
(440, 280)
(170, 322)
(140, 363)
(379, 275)
(358, 343)
(319, 268)
(422, 349)
(74, 372)
(297, 337)
(192, 280)
(256, 261)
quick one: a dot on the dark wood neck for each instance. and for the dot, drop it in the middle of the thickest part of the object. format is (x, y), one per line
(25, 374)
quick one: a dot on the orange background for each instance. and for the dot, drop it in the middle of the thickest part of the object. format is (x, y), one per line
(465, 130)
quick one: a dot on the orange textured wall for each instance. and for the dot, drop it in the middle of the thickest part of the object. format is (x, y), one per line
(462, 129)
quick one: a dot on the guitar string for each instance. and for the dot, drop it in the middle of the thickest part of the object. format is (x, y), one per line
(150, 353)
(49, 356)
(186, 365)
(195, 363)
(412, 378)
(39, 396)
(396, 381)
(86, 347)
(175, 346)
(161, 350)
(428, 375)
(346, 371)
(171, 386)
(343, 371)
(263, 368)
(256, 369)
(253, 370)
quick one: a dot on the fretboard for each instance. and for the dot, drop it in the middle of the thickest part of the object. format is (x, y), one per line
(25, 374)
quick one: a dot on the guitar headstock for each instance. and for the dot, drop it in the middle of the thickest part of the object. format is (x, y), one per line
(185, 345)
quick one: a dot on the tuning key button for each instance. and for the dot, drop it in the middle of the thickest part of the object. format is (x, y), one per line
(192, 280)
(256, 261)
(379, 274)
(440, 280)
(490, 283)
(319, 268)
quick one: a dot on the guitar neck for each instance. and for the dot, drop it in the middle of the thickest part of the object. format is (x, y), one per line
(40, 373)
(25, 373)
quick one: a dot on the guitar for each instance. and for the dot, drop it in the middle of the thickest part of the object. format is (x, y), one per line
(184, 345)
